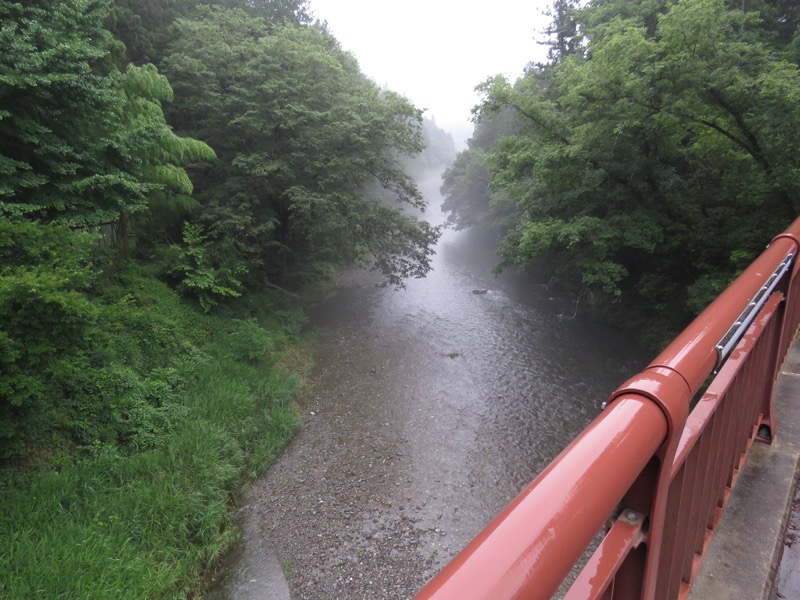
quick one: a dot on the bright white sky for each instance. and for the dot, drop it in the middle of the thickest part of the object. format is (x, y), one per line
(436, 51)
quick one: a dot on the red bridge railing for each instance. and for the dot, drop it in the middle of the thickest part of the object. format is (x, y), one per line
(647, 471)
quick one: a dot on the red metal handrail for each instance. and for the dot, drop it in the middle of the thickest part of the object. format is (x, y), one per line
(646, 460)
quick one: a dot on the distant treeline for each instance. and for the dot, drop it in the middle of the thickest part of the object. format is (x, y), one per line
(649, 160)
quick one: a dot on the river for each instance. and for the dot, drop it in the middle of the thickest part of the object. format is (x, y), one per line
(429, 409)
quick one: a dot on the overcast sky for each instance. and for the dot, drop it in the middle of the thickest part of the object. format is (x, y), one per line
(436, 51)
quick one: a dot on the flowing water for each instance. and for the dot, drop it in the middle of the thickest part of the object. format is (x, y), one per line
(431, 408)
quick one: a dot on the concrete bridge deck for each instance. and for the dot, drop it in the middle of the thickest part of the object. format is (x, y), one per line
(748, 558)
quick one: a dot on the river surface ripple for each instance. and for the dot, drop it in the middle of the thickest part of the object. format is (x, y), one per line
(431, 408)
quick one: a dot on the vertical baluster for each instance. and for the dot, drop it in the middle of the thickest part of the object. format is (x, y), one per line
(674, 536)
(697, 525)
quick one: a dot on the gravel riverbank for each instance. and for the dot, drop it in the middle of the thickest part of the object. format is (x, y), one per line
(340, 509)
(428, 410)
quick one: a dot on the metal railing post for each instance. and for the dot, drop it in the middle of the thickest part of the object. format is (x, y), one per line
(668, 389)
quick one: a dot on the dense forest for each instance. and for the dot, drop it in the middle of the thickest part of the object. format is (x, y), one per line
(648, 161)
(176, 177)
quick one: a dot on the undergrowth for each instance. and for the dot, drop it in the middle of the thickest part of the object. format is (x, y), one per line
(119, 484)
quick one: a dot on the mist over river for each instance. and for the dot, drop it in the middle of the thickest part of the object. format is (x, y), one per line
(430, 409)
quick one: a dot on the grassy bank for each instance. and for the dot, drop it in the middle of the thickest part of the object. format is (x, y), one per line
(124, 487)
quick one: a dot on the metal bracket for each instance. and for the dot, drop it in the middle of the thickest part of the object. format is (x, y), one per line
(731, 338)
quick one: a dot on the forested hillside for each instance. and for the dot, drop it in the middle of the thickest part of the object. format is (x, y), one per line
(649, 160)
(172, 175)
(233, 147)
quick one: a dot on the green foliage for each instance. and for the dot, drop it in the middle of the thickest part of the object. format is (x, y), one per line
(301, 133)
(198, 277)
(89, 357)
(465, 184)
(163, 411)
(57, 104)
(465, 187)
(145, 26)
(394, 244)
(157, 516)
(648, 157)
(152, 151)
(247, 342)
(80, 141)
(44, 319)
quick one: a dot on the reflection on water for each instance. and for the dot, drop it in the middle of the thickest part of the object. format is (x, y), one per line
(465, 385)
